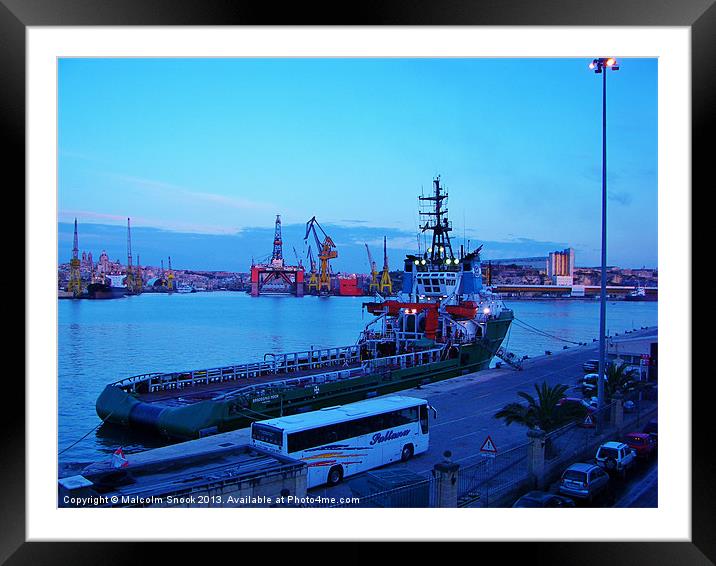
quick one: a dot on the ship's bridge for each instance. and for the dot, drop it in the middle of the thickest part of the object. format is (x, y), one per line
(436, 283)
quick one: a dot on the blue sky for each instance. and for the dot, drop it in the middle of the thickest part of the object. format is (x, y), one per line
(209, 151)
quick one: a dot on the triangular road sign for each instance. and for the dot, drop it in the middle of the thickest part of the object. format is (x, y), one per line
(588, 420)
(488, 446)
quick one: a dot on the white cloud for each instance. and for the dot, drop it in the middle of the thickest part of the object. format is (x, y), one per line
(215, 198)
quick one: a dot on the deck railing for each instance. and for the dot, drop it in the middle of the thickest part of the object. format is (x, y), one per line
(273, 364)
(377, 365)
(403, 361)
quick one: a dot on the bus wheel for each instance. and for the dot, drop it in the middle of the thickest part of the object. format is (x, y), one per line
(407, 453)
(335, 475)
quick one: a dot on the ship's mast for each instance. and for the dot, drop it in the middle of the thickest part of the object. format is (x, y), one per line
(435, 219)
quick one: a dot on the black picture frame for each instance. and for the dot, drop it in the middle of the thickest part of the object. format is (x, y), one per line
(699, 15)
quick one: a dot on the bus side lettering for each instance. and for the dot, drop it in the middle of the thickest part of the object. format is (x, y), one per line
(390, 435)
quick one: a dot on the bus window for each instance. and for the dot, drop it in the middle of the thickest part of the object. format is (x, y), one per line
(424, 419)
(406, 416)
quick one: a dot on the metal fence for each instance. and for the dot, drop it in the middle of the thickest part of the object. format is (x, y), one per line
(486, 482)
(419, 494)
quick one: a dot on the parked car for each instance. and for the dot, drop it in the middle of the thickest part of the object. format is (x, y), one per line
(616, 457)
(651, 428)
(583, 481)
(589, 383)
(543, 499)
(590, 366)
(589, 410)
(643, 443)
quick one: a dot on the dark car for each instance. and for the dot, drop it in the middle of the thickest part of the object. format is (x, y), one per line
(543, 499)
(589, 411)
(651, 428)
(589, 383)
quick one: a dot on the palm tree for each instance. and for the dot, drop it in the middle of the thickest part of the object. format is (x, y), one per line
(544, 411)
(619, 378)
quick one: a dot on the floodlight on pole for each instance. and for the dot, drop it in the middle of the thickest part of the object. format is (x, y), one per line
(600, 65)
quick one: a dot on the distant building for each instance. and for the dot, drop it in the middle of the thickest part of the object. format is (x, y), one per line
(103, 263)
(639, 352)
(527, 262)
(560, 267)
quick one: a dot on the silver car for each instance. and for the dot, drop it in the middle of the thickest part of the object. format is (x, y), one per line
(583, 481)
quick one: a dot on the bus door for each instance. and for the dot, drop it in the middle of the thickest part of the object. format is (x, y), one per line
(424, 421)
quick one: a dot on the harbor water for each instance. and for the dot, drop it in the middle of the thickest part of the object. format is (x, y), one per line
(103, 341)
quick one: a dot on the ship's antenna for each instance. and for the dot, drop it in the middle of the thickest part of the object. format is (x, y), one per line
(417, 225)
(464, 227)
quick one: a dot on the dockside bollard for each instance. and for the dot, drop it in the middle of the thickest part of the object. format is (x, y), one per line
(536, 456)
(446, 476)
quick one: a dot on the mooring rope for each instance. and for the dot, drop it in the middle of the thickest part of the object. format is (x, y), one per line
(85, 436)
(530, 328)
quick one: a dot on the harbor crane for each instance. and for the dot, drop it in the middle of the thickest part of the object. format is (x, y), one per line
(299, 261)
(139, 284)
(133, 280)
(373, 272)
(386, 284)
(326, 252)
(170, 277)
(313, 273)
(129, 280)
(74, 285)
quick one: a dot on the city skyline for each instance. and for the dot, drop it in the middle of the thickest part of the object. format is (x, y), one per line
(234, 252)
(212, 150)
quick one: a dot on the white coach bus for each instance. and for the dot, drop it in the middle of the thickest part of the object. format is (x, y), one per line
(337, 442)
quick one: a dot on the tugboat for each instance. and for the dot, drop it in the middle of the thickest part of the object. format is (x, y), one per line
(441, 325)
(639, 294)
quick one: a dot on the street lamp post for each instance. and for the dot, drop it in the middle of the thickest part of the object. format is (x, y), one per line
(600, 66)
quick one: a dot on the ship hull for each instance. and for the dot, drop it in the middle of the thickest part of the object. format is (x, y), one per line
(214, 416)
(101, 291)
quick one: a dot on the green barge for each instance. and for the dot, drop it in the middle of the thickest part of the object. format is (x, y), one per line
(191, 404)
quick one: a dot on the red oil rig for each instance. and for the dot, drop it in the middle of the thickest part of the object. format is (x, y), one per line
(276, 277)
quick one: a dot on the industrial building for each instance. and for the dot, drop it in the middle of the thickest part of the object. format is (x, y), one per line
(560, 267)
